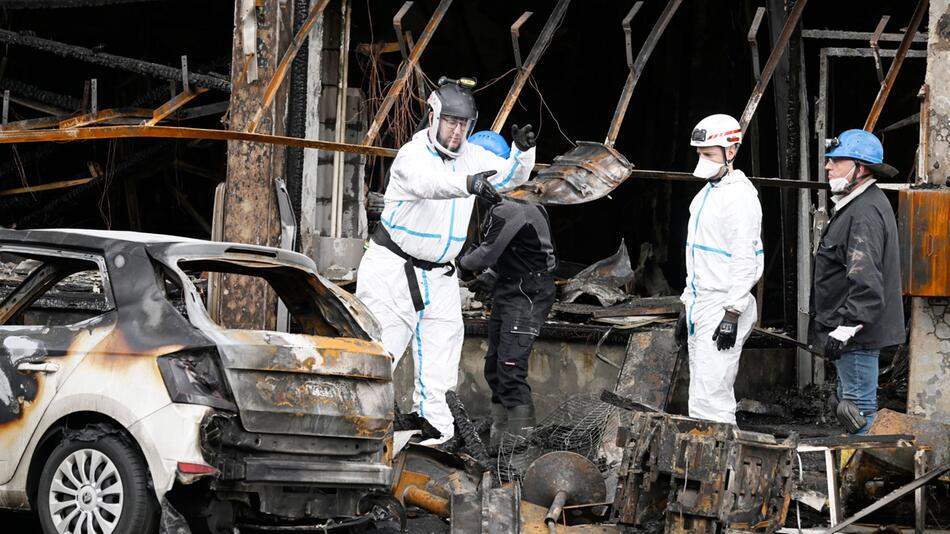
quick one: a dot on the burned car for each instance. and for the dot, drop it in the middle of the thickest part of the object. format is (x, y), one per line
(121, 395)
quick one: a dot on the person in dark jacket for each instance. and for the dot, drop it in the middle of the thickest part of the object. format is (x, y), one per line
(518, 258)
(856, 303)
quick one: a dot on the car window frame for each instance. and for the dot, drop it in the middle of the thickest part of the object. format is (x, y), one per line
(33, 251)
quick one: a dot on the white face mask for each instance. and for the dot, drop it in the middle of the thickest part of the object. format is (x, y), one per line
(839, 185)
(706, 169)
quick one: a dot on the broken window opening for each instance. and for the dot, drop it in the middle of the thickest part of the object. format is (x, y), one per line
(174, 292)
(52, 290)
(312, 307)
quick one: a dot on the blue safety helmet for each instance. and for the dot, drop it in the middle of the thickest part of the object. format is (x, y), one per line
(862, 146)
(491, 141)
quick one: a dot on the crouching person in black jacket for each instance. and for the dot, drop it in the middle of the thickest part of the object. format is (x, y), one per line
(517, 257)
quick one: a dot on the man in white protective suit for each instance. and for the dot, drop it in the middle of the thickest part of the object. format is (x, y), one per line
(406, 277)
(724, 258)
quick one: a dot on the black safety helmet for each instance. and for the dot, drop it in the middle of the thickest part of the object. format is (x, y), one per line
(452, 98)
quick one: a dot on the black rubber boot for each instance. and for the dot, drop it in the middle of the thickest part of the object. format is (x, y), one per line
(499, 424)
(521, 419)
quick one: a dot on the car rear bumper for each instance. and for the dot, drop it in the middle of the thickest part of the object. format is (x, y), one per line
(323, 472)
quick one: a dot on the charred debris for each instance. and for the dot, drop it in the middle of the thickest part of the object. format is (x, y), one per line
(120, 129)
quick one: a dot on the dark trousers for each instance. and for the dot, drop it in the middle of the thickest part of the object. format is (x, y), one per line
(519, 308)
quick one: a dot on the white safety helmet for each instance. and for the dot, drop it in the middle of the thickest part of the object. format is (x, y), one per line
(716, 130)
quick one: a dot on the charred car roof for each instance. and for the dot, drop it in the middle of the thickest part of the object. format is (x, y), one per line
(161, 247)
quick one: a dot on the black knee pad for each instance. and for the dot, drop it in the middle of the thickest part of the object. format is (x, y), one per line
(850, 416)
(833, 403)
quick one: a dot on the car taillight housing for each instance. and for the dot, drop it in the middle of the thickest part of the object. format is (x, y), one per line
(195, 377)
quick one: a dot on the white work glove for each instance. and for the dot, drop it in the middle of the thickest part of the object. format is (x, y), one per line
(845, 333)
(837, 339)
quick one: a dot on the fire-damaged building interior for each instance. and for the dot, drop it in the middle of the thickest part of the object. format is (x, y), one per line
(188, 189)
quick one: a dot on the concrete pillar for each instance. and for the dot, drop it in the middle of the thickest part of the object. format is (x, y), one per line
(336, 257)
(938, 93)
(311, 221)
(250, 205)
(927, 394)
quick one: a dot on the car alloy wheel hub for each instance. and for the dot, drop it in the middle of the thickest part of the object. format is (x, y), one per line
(86, 494)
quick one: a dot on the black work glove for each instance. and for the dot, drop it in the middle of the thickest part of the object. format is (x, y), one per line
(680, 331)
(464, 274)
(833, 349)
(725, 334)
(478, 185)
(483, 286)
(524, 138)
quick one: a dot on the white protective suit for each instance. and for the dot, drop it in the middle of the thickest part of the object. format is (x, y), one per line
(427, 211)
(724, 258)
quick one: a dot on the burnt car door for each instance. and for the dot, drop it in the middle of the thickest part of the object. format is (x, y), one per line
(55, 307)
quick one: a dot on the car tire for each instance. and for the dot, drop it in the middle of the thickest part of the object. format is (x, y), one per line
(104, 483)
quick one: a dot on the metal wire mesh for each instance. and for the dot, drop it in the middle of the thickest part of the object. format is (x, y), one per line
(578, 425)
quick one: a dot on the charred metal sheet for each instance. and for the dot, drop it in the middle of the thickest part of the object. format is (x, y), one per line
(700, 476)
(642, 306)
(113, 61)
(625, 402)
(648, 373)
(927, 433)
(489, 511)
(602, 279)
(924, 223)
(587, 172)
(832, 443)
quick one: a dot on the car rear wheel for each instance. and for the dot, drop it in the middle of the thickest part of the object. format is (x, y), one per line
(95, 487)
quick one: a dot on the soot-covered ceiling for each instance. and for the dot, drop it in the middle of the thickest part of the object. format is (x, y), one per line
(701, 65)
